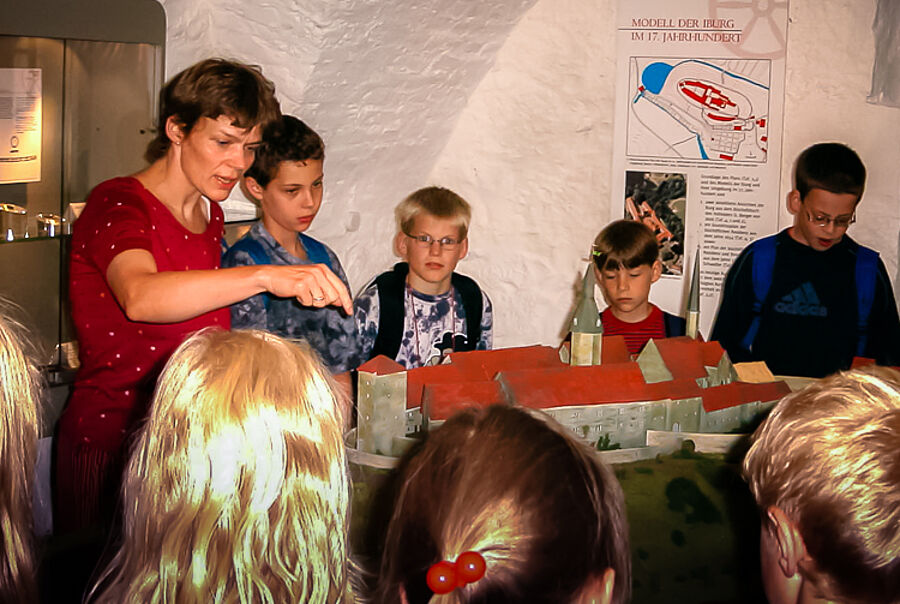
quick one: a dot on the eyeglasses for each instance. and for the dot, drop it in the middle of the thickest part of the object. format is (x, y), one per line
(821, 220)
(425, 241)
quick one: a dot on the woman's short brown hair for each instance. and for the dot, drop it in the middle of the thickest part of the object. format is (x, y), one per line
(541, 508)
(212, 88)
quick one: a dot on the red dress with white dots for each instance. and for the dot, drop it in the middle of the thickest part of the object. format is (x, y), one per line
(120, 358)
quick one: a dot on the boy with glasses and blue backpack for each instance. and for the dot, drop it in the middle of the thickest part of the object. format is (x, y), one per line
(421, 310)
(809, 299)
(287, 180)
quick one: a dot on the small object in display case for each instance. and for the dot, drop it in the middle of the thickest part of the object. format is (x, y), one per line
(12, 221)
(50, 225)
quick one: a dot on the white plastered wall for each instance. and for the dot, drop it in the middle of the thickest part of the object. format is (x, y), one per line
(510, 103)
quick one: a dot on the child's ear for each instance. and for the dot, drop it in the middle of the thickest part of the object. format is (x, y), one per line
(463, 248)
(794, 202)
(253, 188)
(791, 549)
(401, 241)
(656, 271)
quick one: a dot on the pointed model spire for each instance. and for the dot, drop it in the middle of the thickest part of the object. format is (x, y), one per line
(587, 316)
(693, 309)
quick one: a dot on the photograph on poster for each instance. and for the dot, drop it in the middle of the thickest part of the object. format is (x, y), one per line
(710, 109)
(658, 199)
(20, 125)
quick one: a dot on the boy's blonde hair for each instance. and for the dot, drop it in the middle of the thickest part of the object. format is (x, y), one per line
(541, 508)
(237, 489)
(829, 457)
(20, 395)
(438, 202)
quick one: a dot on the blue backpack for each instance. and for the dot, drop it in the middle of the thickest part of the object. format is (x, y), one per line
(764, 265)
(316, 252)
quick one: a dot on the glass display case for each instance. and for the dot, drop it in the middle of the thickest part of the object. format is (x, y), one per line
(99, 65)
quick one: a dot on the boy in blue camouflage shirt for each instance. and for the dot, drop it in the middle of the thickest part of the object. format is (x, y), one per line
(422, 310)
(287, 180)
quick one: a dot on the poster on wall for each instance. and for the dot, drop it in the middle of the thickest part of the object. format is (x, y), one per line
(20, 125)
(697, 149)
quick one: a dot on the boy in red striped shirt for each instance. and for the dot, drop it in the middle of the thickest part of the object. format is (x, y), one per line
(626, 263)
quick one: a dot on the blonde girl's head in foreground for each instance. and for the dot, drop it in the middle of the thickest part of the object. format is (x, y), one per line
(19, 399)
(237, 489)
(539, 507)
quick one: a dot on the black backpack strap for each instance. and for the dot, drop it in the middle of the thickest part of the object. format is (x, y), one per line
(474, 307)
(391, 286)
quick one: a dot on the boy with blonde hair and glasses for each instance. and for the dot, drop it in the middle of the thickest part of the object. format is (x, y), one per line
(421, 310)
(826, 475)
(809, 299)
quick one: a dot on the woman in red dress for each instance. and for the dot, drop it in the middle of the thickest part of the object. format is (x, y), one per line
(144, 273)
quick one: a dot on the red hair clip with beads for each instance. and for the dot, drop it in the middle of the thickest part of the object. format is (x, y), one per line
(445, 576)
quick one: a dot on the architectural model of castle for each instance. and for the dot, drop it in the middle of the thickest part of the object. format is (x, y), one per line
(675, 384)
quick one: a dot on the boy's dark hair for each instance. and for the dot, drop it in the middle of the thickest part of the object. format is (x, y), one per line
(213, 88)
(625, 244)
(540, 506)
(832, 167)
(288, 139)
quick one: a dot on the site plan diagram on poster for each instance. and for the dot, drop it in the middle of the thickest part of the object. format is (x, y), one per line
(712, 109)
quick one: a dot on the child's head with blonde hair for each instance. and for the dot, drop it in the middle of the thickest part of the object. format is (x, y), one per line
(540, 508)
(20, 395)
(825, 471)
(433, 233)
(237, 488)
(437, 202)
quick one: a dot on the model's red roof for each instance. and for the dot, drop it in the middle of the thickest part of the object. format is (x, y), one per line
(712, 352)
(676, 389)
(416, 379)
(614, 350)
(861, 362)
(440, 401)
(739, 393)
(684, 357)
(490, 362)
(597, 384)
(381, 365)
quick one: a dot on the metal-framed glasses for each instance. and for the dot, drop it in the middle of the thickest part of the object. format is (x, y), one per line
(425, 241)
(821, 220)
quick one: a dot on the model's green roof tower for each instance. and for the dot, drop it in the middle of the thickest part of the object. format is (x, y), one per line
(586, 328)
